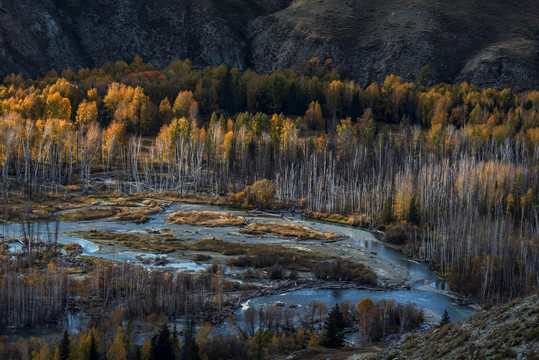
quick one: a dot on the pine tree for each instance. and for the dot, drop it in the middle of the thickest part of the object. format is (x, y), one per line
(94, 352)
(161, 345)
(191, 346)
(64, 347)
(445, 319)
(333, 329)
(128, 339)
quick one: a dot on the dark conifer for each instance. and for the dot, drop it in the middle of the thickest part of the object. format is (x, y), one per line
(94, 352)
(64, 347)
(445, 319)
(334, 329)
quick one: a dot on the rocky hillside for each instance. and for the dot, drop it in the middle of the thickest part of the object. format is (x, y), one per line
(504, 332)
(492, 43)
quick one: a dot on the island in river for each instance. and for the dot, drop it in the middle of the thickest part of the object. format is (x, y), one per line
(246, 270)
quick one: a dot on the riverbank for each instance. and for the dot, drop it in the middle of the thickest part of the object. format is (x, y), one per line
(176, 249)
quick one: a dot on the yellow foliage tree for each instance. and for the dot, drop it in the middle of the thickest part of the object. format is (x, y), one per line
(117, 350)
(183, 103)
(262, 193)
(86, 113)
(146, 350)
(58, 107)
(402, 202)
(313, 115)
(43, 354)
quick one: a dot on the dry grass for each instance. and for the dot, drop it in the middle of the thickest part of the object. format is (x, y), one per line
(138, 214)
(88, 214)
(206, 218)
(124, 202)
(297, 231)
(355, 219)
(72, 248)
(164, 243)
(42, 207)
(263, 256)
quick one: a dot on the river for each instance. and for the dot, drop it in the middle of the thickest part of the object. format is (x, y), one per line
(427, 289)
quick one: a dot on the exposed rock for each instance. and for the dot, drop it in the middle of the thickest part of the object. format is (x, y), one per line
(491, 43)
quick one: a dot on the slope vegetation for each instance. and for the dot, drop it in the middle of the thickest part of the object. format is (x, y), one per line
(492, 43)
(504, 332)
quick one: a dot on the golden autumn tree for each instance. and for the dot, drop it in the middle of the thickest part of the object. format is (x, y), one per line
(129, 106)
(57, 107)
(184, 104)
(165, 111)
(261, 193)
(346, 136)
(313, 115)
(334, 98)
(178, 130)
(365, 310)
(86, 113)
(117, 349)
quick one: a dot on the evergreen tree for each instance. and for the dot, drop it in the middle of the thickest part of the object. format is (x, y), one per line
(161, 345)
(64, 347)
(176, 343)
(129, 339)
(445, 319)
(333, 329)
(94, 352)
(191, 346)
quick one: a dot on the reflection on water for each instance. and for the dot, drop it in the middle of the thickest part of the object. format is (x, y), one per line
(363, 239)
(420, 274)
(429, 300)
(74, 323)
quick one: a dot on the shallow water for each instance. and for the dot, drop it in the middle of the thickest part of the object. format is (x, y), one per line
(421, 276)
(434, 302)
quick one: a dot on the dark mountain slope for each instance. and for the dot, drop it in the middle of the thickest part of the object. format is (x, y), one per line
(491, 43)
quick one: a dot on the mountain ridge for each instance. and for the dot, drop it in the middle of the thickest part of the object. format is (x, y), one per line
(492, 44)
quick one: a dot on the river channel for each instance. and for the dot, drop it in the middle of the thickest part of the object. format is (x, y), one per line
(426, 289)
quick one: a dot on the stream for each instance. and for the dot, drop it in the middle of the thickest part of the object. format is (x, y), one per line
(392, 267)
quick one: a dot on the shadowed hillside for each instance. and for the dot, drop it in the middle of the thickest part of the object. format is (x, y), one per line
(488, 43)
(508, 331)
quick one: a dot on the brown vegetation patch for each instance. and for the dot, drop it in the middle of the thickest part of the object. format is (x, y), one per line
(222, 247)
(201, 257)
(44, 206)
(138, 214)
(297, 231)
(206, 218)
(264, 256)
(354, 220)
(506, 331)
(396, 233)
(72, 248)
(163, 243)
(88, 214)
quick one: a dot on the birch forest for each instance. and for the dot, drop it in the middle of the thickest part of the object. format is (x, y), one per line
(450, 171)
